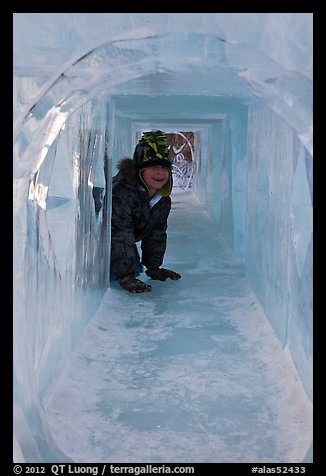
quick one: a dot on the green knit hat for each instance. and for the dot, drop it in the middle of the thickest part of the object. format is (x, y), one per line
(153, 149)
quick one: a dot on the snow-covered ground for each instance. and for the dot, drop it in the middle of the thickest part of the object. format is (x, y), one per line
(190, 372)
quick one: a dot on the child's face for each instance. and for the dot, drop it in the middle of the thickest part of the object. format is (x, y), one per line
(155, 177)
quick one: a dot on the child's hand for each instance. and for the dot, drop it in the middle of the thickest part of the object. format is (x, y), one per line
(134, 285)
(162, 274)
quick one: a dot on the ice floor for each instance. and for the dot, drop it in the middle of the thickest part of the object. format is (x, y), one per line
(190, 372)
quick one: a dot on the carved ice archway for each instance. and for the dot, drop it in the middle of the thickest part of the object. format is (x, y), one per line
(182, 169)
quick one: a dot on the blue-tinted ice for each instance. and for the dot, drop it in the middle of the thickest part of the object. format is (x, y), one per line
(217, 366)
(190, 372)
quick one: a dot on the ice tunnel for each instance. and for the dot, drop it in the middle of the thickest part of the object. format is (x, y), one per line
(216, 367)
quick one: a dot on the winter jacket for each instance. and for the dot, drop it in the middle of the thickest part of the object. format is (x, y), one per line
(133, 220)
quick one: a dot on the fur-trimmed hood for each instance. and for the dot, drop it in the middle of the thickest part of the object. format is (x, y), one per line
(128, 172)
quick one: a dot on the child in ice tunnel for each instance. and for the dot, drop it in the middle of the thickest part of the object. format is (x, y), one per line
(141, 205)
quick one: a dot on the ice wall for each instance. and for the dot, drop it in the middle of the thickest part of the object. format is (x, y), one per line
(84, 84)
(279, 211)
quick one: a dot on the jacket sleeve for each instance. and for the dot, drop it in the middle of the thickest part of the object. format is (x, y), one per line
(123, 248)
(154, 245)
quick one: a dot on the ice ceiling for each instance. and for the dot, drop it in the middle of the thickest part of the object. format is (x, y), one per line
(211, 55)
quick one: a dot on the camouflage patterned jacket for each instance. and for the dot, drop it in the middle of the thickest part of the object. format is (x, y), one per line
(134, 220)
